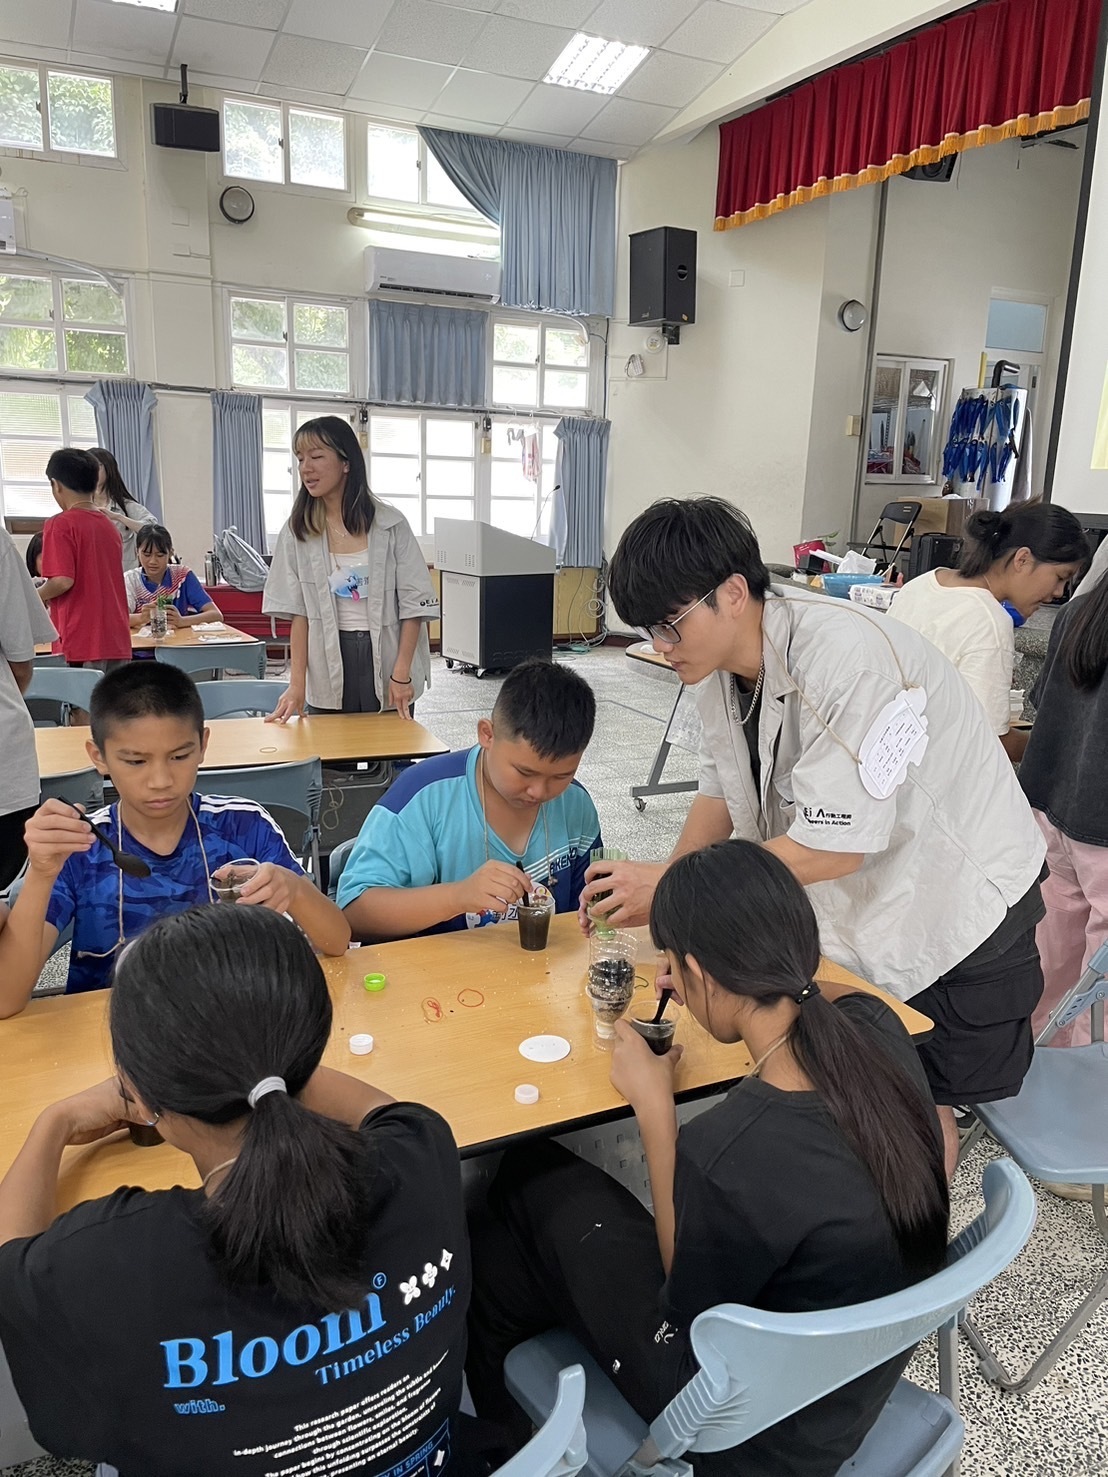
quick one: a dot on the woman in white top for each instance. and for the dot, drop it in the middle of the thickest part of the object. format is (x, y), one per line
(348, 572)
(127, 513)
(1025, 555)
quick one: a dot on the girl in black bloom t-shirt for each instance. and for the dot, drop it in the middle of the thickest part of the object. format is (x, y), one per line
(816, 1183)
(304, 1310)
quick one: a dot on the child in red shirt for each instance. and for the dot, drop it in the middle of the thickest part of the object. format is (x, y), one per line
(82, 561)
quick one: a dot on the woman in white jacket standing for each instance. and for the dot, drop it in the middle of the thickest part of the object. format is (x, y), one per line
(348, 572)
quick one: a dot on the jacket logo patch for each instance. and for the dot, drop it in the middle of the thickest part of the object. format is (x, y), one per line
(815, 815)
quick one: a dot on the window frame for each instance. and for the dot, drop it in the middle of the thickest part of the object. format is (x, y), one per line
(49, 152)
(286, 109)
(58, 324)
(546, 322)
(355, 351)
(63, 391)
(909, 364)
(420, 208)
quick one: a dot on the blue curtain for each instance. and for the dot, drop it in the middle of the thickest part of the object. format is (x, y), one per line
(237, 466)
(426, 356)
(581, 472)
(124, 411)
(557, 217)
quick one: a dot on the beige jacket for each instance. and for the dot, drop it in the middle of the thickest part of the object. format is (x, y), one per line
(298, 585)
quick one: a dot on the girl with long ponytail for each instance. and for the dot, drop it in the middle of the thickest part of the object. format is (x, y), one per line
(299, 1297)
(816, 1183)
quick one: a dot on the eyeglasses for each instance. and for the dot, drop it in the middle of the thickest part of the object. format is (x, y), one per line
(667, 631)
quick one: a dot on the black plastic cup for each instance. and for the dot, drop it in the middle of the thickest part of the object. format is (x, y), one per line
(534, 926)
(658, 1035)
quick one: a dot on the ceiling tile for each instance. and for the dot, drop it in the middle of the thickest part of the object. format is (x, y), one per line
(264, 13)
(400, 80)
(775, 7)
(720, 32)
(671, 80)
(639, 22)
(130, 35)
(552, 109)
(44, 24)
(435, 33)
(529, 136)
(458, 125)
(627, 122)
(552, 12)
(478, 95)
(313, 66)
(393, 113)
(517, 48)
(224, 51)
(485, 5)
(354, 22)
(599, 146)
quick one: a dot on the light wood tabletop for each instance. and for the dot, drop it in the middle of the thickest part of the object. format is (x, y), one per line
(643, 651)
(186, 636)
(447, 1030)
(336, 738)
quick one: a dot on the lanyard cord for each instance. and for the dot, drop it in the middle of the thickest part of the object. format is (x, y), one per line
(485, 819)
(122, 939)
(905, 684)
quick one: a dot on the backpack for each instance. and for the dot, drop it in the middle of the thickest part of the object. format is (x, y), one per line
(242, 566)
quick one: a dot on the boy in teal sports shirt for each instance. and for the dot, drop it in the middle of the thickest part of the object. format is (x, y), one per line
(458, 840)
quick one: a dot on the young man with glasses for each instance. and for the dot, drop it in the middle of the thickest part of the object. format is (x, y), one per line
(853, 750)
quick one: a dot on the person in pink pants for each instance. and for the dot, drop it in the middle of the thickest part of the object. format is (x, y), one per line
(1065, 777)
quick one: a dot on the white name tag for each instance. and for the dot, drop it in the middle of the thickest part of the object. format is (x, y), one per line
(896, 738)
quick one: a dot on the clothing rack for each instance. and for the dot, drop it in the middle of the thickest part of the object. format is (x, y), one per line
(987, 441)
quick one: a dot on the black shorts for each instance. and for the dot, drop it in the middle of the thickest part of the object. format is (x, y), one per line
(981, 1046)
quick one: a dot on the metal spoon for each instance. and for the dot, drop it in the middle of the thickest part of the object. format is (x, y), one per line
(130, 866)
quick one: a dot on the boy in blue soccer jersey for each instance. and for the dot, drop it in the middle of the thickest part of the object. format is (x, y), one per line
(148, 733)
(458, 840)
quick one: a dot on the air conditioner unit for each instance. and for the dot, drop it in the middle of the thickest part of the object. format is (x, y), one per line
(390, 270)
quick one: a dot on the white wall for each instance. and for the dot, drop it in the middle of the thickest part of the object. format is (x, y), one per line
(754, 402)
(731, 415)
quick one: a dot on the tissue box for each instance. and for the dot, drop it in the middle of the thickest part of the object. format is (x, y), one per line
(877, 597)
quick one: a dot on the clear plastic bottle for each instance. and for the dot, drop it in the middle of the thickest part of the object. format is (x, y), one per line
(611, 979)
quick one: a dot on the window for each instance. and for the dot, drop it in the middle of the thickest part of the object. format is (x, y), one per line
(518, 503)
(1016, 332)
(284, 145)
(41, 108)
(52, 324)
(425, 465)
(280, 343)
(540, 365)
(33, 424)
(402, 169)
(905, 430)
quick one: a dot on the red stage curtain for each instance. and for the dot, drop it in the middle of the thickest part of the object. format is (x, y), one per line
(1002, 69)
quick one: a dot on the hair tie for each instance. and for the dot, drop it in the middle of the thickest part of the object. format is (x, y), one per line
(810, 989)
(267, 1084)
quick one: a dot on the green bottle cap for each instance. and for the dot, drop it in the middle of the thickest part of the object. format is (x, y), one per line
(375, 982)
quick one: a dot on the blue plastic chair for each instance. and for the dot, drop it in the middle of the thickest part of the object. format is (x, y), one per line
(557, 1449)
(82, 786)
(50, 659)
(756, 1367)
(336, 863)
(65, 687)
(1055, 1129)
(215, 656)
(290, 792)
(239, 698)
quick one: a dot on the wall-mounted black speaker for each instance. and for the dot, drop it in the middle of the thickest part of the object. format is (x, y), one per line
(177, 126)
(663, 276)
(939, 173)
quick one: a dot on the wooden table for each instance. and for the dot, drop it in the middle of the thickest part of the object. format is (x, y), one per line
(447, 1029)
(336, 738)
(682, 721)
(186, 636)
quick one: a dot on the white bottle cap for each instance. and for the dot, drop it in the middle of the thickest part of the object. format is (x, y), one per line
(527, 1093)
(361, 1045)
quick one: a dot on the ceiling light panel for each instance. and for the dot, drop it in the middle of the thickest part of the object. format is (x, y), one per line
(166, 5)
(592, 64)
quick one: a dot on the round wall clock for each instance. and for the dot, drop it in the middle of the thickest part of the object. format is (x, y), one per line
(236, 204)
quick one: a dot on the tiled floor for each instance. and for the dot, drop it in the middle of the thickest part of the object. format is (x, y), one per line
(1060, 1428)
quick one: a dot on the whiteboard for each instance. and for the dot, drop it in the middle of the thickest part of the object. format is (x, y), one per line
(1081, 469)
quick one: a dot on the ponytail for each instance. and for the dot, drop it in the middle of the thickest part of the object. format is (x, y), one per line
(743, 916)
(1052, 533)
(207, 1004)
